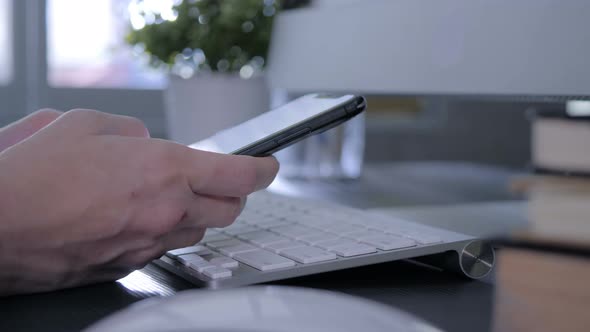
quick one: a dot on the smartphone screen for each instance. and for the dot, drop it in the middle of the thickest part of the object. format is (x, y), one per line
(293, 114)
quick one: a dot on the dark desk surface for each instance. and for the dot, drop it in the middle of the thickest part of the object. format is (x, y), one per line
(445, 300)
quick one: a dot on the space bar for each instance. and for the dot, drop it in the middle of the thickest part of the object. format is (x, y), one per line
(263, 260)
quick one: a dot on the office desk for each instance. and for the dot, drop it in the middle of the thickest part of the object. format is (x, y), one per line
(445, 300)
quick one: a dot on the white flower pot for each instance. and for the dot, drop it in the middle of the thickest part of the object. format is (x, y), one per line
(197, 108)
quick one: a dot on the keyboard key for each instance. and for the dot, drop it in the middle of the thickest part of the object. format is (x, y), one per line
(343, 229)
(277, 248)
(224, 243)
(256, 218)
(318, 237)
(185, 259)
(261, 238)
(353, 249)
(247, 216)
(419, 233)
(360, 235)
(231, 247)
(183, 251)
(329, 245)
(361, 220)
(272, 223)
(307, 255)
(224, 262)
(379, 225)
(239, 229)
(386, 242)
(200, 266)
(418, 236)
(426, 239)
(293, 231)
(315, 222)
(264, 260)
(232, 250)
(296, 216)
(336, 214)
(212, 237)
(217, 272)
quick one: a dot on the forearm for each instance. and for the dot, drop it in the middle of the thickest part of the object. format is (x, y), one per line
(11, 269)
(7, 268)
(7, 177)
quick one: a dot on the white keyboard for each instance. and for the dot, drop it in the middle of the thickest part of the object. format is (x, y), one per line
(279, 237)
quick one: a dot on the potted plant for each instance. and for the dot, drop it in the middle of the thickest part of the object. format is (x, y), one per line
(214, 51)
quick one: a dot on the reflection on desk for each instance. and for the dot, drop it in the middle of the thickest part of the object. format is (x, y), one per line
(407, 184)
(443, 299)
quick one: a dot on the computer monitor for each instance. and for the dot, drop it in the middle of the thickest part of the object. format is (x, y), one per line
(539, 49)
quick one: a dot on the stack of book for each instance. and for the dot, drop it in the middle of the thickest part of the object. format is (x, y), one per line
(543, 272)
(560, 143)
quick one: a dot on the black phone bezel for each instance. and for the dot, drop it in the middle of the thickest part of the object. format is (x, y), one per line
(312, 126)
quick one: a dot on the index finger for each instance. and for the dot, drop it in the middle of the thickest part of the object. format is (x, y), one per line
(85, 121)
(228, 175)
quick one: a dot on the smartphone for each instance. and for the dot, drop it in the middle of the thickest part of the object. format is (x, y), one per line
(286, 125)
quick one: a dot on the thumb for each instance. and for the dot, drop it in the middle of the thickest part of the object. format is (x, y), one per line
(26, 127)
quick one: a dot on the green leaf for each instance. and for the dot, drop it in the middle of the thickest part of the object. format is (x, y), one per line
(232, 30)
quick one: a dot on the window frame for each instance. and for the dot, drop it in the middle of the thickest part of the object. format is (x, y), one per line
(146, 104)
(13, 94)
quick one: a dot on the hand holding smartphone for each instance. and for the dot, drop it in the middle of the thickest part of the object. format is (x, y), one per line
(288, 124)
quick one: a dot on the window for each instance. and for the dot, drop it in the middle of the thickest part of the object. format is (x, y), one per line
(5, 41)
(86, 47)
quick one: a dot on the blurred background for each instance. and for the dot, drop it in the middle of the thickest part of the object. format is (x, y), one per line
(134, 57)
(468, 102)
